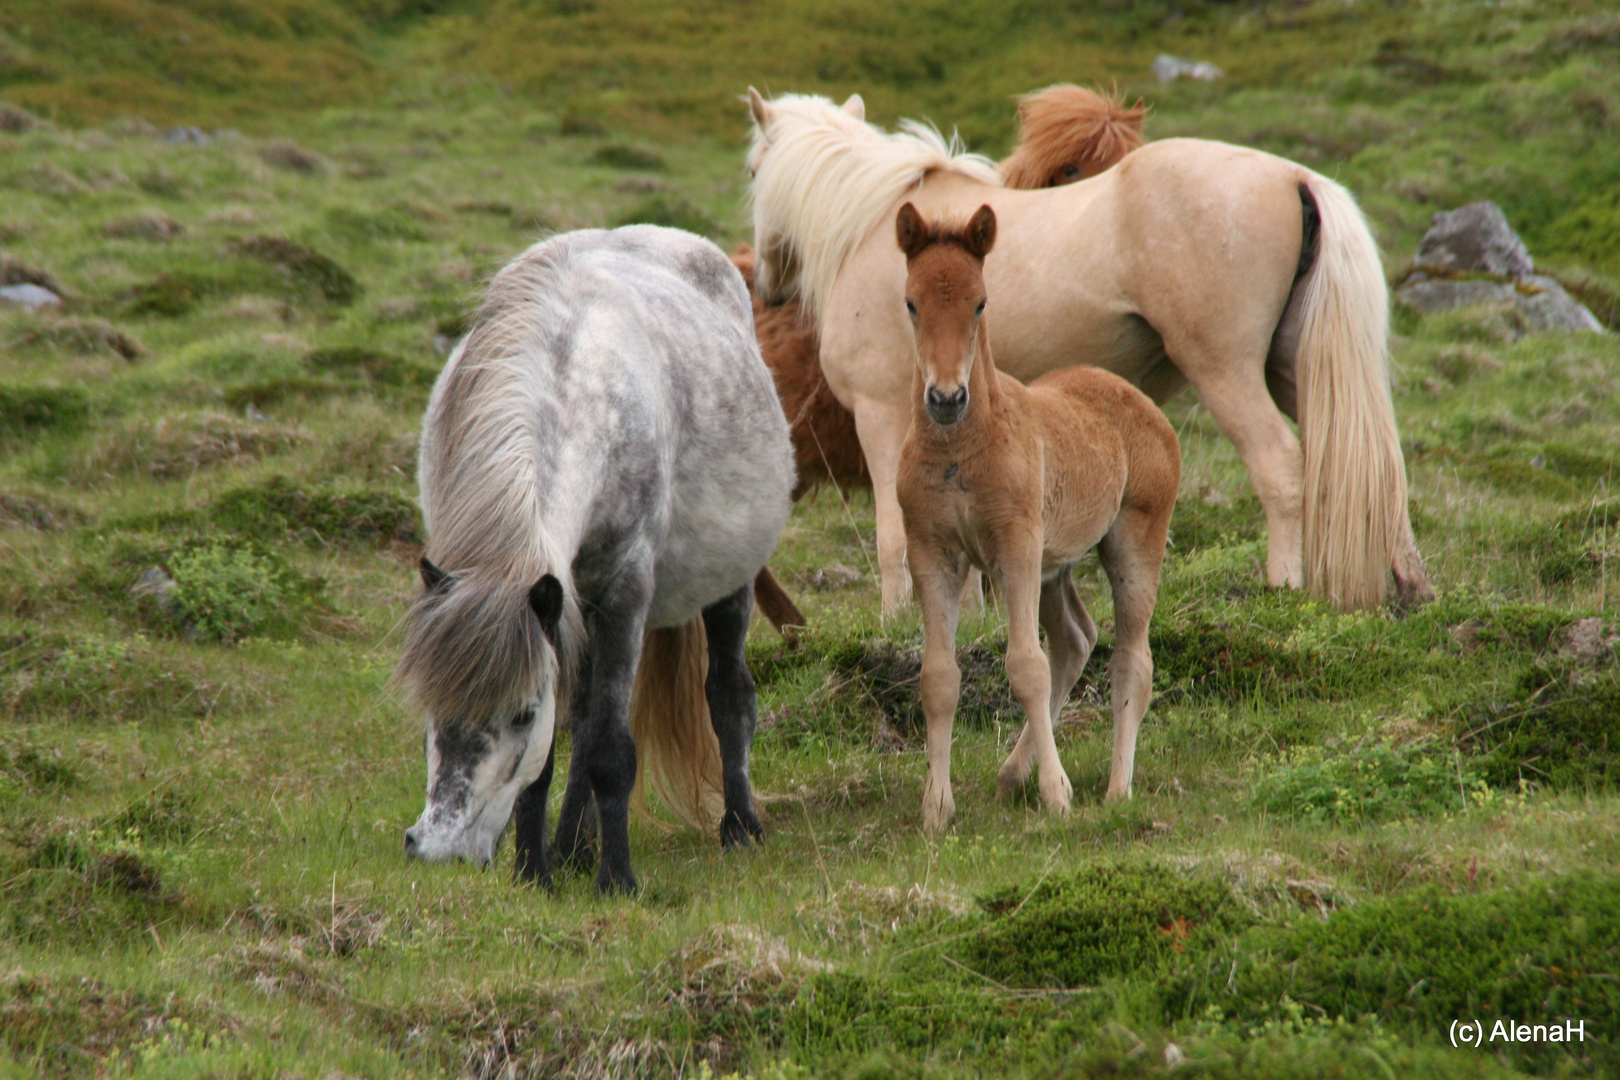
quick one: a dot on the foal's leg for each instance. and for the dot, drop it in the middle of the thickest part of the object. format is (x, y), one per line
(1030, 673)
(1132, 554)
(882, 429)
(730, 690)
(938, 578)
(529, 827)
(1070, 636)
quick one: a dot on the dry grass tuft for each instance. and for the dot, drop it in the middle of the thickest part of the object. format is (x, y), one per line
(146, 224)
(82, 336)
(180, 445)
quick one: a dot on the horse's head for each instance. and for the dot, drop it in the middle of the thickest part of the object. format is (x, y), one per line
(482, 749)
(945, 298)
(1068, 133)
(776, 271)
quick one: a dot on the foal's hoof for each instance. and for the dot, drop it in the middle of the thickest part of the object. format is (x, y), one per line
(740, 829)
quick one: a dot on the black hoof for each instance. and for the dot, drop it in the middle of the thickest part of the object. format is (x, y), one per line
(577, 859)
(740, 829)
(622, 884)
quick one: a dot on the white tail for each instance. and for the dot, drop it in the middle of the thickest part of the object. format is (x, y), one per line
(676, 747)
(1355, 477)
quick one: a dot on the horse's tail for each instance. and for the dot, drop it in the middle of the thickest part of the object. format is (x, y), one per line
(678, 755)
(1355, 477)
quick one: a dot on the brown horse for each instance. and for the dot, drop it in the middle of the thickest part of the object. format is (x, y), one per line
(1065, 133)
(1020, 482)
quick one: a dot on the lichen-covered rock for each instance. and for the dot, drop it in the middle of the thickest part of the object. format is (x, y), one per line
(1473, 239)
(1472, 256)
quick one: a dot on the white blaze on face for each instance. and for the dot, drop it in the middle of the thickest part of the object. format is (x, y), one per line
(475, 774)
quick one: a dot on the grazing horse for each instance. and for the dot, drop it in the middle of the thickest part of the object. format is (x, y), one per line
(1065, 133)
(1020, 482)
(604, 469)
(1249, 276)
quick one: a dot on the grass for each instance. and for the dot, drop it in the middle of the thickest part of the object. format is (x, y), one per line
(1349, 830)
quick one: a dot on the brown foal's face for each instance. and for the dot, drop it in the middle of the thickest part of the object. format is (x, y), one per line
(945, 299)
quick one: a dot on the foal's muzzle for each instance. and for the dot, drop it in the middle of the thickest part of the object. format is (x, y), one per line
(946, 409)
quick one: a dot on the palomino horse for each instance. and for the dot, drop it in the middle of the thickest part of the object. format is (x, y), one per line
(1249, 276)
(1020, 482)
(1065, 133)
(604, 470)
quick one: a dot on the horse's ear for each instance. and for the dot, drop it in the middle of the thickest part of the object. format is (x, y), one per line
(981, 232)
(432, 576)
(546, 601)
(910, 231)
(856, 107)
(756, 105)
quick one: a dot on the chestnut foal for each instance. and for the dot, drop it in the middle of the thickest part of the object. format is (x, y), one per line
(1020, 482)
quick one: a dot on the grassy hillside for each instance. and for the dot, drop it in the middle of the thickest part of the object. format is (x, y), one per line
(1349, 830)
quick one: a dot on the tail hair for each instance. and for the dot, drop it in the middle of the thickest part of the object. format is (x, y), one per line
(678, 754)
(1355, 476)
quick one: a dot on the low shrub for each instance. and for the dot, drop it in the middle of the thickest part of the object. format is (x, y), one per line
(1556, 726)
(305, 267)
(1369, 783)
(223, 593)
(1100, 922)
(33, 410)
(624, 156)
(61, 679)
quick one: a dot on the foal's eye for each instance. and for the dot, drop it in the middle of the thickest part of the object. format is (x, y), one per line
(910, 307)
(1071, 172)
(523, 719)
(980, 309)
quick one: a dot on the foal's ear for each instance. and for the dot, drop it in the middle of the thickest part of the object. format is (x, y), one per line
(432, 576)
(756, 106)
(856, 107)
(981, 232)
(910, 231)
(546, 601)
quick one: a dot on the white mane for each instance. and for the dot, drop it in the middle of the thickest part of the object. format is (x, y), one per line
(823, 178)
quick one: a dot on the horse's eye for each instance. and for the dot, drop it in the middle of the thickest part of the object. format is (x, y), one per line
(910, 307)
(523, 719)
(1071, 171)
(980, 309)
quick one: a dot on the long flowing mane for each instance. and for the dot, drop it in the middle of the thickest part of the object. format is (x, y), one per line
(823, 178)
(472, 650)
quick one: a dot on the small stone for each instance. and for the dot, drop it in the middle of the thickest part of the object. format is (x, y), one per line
(1167, 68)
(156, 583)
(32, 297)
(254, 413)
(1173, 1055)
(193, 135)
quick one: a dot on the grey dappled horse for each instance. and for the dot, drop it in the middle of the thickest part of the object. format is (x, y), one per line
(604, 468)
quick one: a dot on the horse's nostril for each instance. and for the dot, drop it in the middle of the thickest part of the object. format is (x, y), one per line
(410, 844)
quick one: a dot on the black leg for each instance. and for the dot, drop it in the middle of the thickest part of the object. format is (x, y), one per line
(576, 821)
(529, 828)
(604, 756)
(730, 690)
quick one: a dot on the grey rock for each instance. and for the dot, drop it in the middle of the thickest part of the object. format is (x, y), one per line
(1473, 239)
(194, 135)
(156, 583)
(32, 297)
(1167, 68)
(1541, 300)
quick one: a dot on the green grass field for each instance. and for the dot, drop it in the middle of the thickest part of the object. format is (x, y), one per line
(1349, 830)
